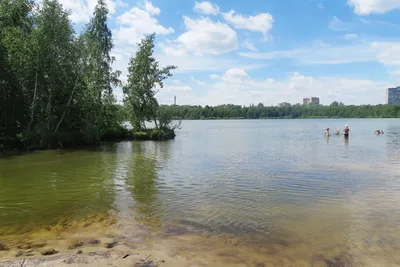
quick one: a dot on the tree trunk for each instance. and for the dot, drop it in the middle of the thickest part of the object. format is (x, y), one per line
(155, 120)
(68, 103)
(32, 106)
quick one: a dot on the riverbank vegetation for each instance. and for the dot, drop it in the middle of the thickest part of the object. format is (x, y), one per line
(56, 86)
(335, 110)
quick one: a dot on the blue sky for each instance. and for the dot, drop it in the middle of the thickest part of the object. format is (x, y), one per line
(244, 52)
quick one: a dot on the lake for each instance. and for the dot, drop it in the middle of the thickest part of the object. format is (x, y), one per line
(274, 188)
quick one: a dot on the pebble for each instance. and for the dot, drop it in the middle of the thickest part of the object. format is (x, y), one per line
(111, 245)
(3, 246)
(50, 252)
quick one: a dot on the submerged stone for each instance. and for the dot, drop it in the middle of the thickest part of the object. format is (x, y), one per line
(25, 246)
(49, 252)
(81, 243)
(93, 242)
(111, 245)
(24, 253)
(342, 260)
(76, 245)
(3, 246)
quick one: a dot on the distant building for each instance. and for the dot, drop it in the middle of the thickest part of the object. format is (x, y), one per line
(284, 104)
(174, 100)
(314, 100)
(393, 96)
(311, 100)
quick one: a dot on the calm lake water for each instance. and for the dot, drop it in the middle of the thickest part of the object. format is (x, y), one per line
(278, 180)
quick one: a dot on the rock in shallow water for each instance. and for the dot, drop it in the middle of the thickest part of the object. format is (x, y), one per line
(76, 245)
(111, 245)
(3, 246)
(81, 243)
(31, 246)
(93, 242)
(49, 252)
(25, 253)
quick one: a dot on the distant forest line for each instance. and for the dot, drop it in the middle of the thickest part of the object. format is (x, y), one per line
(260, 111)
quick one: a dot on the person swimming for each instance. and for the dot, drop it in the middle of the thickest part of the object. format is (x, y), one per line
(346, 131)
(378, 132)
(327, 132)
(337, 132)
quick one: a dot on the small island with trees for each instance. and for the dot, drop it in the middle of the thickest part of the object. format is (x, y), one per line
(56, 87)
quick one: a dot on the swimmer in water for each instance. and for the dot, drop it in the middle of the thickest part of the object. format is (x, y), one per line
(346, 131)
(337, 132)
(378, 132)
(327, 132)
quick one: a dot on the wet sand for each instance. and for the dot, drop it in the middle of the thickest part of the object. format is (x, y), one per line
(180, 248)
(318, 238)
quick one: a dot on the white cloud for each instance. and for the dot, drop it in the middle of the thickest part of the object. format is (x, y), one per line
(175, 86)
(198, 82)
(387, 53)
(206, 8)
(350, 36)
(152, 10)
(196, 63)
(203, 36)
(172, 89)
(236, 75)
(366, 7)
(172, 49)
(137, 22)
(321, 6)
(82, 10)
(337, 25)
(274, 54)
(121, 3)
(262, 22)
(178, 89)
(236, 86)
(214, 76)
(249, 45)
(395, 72)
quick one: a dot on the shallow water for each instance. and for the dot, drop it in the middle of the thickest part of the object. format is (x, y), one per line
(266, 183)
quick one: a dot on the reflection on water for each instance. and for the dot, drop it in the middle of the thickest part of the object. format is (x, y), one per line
(141, 182)
(278, 187)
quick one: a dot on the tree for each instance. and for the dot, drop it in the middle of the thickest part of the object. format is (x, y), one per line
(334, 104)
(99, 99)
(54, 61)
(144, 77)
(16, 25)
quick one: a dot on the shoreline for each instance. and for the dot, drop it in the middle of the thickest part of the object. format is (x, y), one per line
(179, 247)
(283, 118)
(149, 135)
(118, 256)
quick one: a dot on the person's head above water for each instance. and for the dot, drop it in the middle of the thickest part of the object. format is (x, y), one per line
(346, 125)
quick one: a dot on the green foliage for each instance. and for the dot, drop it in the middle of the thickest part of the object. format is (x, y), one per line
(55, 87)
(154, 134)
(143, 78)
(290, 112)
(166, 120)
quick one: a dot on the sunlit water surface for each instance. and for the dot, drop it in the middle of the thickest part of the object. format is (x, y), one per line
(264, 181)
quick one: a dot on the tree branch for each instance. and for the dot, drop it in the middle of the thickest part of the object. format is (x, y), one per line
(69, 102)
